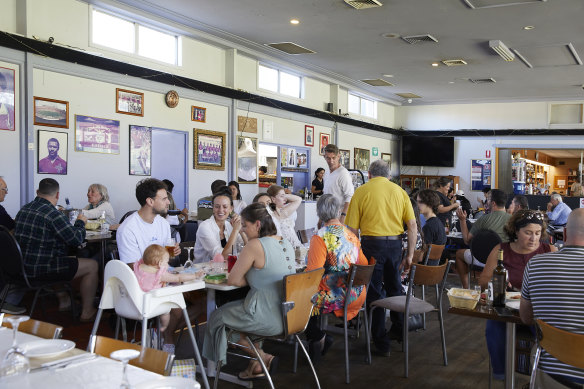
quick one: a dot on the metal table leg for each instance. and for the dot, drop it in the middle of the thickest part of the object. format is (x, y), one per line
(510, 357)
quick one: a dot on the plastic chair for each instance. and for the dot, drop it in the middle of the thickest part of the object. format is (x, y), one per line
(563, 345)
(409, 305)
(156, 361)
(296, 310)
(38, 328)
(481, 246)
(123, 293)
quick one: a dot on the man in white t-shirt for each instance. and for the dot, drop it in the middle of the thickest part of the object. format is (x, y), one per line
(337, 181)
(148, 225)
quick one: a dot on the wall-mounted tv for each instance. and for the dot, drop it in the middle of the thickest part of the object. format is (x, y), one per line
(428, 151)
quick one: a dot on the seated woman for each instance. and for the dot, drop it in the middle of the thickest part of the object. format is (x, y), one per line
(284, 208)
(526, 230)
(98, 204)
(317, 183)
(335, 248)
(174, 220)
(238, 203)
(262, 198)
(217, 235)
(433, 231)
(262, 264)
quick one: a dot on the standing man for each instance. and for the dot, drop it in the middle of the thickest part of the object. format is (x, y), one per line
(5, 219)
(379, 209)
(557, 210)
(52, 163)
(552, 290)
(337, 181)
(443, 186)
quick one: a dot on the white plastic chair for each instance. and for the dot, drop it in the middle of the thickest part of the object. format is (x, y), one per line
(123, 293)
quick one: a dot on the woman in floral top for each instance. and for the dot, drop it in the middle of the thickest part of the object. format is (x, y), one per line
(335, 248)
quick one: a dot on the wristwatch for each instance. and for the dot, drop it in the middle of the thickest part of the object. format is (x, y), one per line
(343, 214)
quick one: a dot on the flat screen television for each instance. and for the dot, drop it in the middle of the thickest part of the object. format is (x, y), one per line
(428, 151)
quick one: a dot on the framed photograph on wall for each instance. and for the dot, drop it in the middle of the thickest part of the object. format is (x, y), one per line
(97, 135)
(198, 114)
(362, 159)
(480, 173)
(52, 149)
(309, 135)
(301, 159)
(345, 158)
(129, 102)
(209, 147)
(247, 160)
(283, 156)
(387, 158)
(6, 99)
(324, 141)
(140, 150)
(51, 113)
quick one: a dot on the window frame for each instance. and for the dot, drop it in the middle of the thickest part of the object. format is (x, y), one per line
(361, 98)
(278, 91)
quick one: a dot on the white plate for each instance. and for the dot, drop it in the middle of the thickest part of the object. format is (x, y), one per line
(513, 304)
(46, 347)
(169, 383)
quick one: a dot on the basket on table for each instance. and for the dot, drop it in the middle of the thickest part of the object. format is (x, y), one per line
(463, 298)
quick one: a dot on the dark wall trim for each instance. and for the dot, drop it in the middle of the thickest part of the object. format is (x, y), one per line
(509, 132)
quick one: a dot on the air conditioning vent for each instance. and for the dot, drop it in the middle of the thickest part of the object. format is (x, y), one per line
(409, 95)
(290, 48)
(478, 4)
(362, 4)
(454, 62)
(419, 38)
(482, 80)
(377, 82)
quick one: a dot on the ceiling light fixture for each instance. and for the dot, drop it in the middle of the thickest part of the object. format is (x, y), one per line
(435, 64)
(499, 47)
(294, 21)
(528, 27)
(388, 75)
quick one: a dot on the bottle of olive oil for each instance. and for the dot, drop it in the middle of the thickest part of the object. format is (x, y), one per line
(499, 282)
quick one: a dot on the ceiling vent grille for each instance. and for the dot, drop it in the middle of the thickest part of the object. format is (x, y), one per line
(362, 4)
(377, 82)
(419, 38)
(482, 80)
(290, 48)
(454, 62)
(409, 95)
(478, 4)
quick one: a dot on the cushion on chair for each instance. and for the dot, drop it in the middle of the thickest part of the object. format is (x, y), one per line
(398, 304)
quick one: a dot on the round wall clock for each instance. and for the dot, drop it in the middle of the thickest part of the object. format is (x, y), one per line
(172, 98)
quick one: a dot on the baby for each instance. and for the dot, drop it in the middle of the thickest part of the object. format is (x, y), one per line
(152, 273)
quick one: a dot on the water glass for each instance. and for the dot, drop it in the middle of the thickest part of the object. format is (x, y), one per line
(188, 262)
(15, 362)
(125, 356)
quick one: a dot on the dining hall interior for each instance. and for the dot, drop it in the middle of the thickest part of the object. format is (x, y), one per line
(485, 92)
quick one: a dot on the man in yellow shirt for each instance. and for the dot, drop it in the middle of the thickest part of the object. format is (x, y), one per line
(379, 210)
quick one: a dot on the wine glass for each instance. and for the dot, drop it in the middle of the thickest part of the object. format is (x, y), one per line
(188, 262)
(125, 356)
(15, 362)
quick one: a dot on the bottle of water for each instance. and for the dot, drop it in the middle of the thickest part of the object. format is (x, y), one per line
(68, 206)
(104, 225)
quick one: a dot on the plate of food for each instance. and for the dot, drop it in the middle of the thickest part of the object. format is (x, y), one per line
(216, 278)
(513, 304)
(92, 225)
(513, 296)
(46, 347)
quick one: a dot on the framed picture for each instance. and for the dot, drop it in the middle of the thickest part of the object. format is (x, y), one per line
(52, 149)
(97, 135)
(140, 150)
(301, 160)
(247, 160)
(210, 150)
(6, 99)
(51, 113)
(129, 102)
(345, 158)
(247, 124)
(309, 135)
(387, 158)
(198, 114)
(324, 141)
(480, 173)
(362, 160)
(283, 156)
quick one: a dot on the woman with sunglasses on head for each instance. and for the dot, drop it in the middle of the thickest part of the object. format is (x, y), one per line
(526, 230)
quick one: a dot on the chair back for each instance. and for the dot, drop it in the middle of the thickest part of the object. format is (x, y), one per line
(38, 328)
(12, 263)
(429, 275)
(297, 306)
(434, 253)
(126, 216)
(565, 346)
(361, 274)
(156, 361)
(483, 243)
(419, 255)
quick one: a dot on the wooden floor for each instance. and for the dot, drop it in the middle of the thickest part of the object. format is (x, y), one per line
(467, 357)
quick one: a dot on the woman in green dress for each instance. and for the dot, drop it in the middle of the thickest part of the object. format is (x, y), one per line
(262, 264)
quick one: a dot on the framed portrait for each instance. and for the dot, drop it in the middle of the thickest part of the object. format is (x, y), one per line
(52, 149)
(387, 158)
(345, 158)
(362, 159)
(129, 102)
(97, 135)
(6, 99)
(209, 147)
(198, 114)
(324, 141)
(301, 159)
(140, 151)
(247, 160)
(309, 135)
(51, 113)
(283, 156)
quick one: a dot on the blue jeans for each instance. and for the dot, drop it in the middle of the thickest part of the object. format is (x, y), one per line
(385, 282)
(496, 336)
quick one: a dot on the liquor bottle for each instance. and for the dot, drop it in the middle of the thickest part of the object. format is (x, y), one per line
(499, 282)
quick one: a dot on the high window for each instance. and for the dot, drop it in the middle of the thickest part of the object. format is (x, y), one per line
(278, 81)
(362, 106)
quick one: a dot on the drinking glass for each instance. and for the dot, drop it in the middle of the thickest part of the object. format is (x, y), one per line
(15, 362)
(125, 356)
(170, 244)
(188, 262)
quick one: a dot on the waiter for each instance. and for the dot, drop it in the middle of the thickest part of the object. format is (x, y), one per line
(379, 209)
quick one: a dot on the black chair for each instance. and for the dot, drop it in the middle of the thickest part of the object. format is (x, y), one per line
(126, 215)
(481, 246)
(13, 274)
(188, 231)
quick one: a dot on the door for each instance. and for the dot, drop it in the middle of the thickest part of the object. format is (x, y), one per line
(170, 161)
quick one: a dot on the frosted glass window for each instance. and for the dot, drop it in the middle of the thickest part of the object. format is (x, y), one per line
(157, 45)
(354, 104)
(268, 78)
(289, 84)
(113, 32)
(362, 106)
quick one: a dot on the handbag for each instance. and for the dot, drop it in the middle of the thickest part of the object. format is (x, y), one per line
(415, 322)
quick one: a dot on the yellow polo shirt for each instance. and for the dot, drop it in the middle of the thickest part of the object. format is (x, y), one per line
(379, 208)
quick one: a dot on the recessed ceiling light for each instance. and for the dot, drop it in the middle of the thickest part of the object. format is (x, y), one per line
(528, 27)
(451, 82)
(435, 64)
(388, 75)
(294, 21)
(390, 35)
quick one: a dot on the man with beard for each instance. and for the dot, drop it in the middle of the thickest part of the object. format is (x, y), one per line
(52, 163)
(337, 180)
(148, 225)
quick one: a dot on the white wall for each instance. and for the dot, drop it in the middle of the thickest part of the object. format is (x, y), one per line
(8, 15)
(10, 152)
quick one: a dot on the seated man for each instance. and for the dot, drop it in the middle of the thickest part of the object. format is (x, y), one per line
(495, 221)
(552, 290)
(205, 204)
(44, 234)
(557, 210)
(518, 203)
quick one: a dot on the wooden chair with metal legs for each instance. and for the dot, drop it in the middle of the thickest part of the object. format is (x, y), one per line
(296, 310)
(432, 258)
(156, 361)
(410, 305)
(563, 345)
(36, 327)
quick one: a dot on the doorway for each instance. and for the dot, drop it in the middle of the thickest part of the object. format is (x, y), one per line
(170, 161)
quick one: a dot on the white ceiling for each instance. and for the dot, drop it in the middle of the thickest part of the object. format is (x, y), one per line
(350, 44)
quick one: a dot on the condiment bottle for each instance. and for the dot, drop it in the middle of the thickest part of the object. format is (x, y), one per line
(499, 282)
